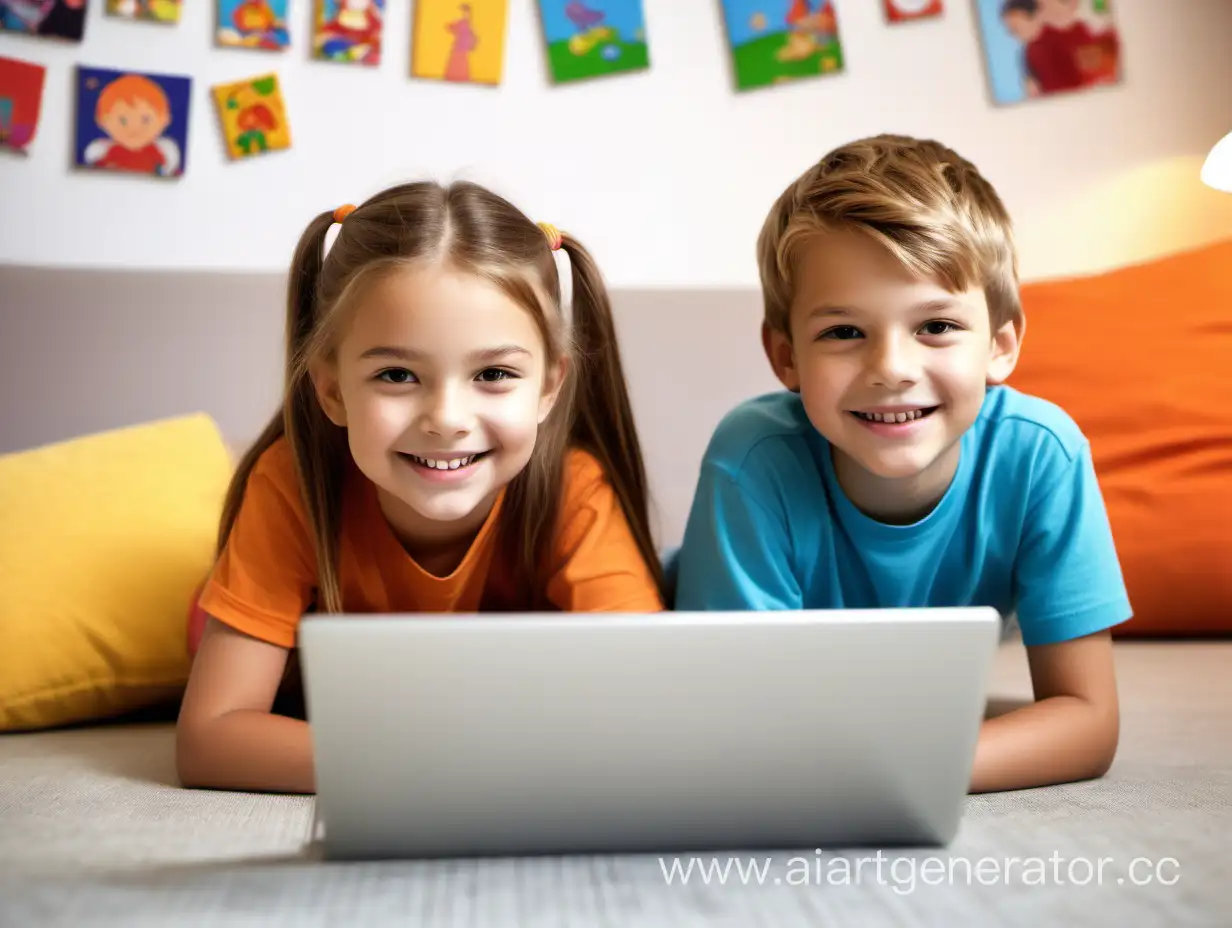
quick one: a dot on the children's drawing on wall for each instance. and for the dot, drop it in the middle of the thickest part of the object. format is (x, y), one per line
(460, 42)
(21, 100)
(775, 41)
(348, 30)
(253, 115)
(158, 11)
(1037, 48)
(590, 38)
(903, 11)
(135, 123)
(59, 19)
(253, 24)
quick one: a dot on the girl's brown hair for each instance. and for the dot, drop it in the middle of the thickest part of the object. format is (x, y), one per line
(478, 231)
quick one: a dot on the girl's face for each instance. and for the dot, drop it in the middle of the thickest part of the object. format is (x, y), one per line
(442, 382)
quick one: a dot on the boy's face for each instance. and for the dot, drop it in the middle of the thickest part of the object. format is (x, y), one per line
(134, 125)
(1059, 13)
(1022, 25)
(891, 369)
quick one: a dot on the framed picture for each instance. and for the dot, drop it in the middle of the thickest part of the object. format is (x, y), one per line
(154, 11)
(132, 122)
(1040, 48)
(21, 101)
(459, 42)
(774, 43)
(57, 19)
(252, 24)
(253, 116)
(348, 30)
(591, 38)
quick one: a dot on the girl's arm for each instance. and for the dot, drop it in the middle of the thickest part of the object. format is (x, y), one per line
(1069, 733)
(226, 736)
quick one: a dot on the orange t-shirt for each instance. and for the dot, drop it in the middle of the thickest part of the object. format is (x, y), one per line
(265, 578)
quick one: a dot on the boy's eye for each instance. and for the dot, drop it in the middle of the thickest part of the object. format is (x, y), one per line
(841, 333)
(938, 327)
(496, 375)
(397, 375)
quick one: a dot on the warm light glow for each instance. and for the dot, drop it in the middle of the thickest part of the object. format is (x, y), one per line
(1217, 171)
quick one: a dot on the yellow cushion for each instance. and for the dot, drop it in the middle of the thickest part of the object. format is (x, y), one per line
(102, 542)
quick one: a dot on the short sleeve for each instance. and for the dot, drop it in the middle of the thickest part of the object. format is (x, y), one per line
(736, 553)
(599, 565)
(1068, 578)
(265, 577)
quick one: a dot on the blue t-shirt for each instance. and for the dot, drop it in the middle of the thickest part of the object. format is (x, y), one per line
(1022, 527)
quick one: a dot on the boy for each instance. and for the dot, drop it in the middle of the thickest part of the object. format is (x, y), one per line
(897, 470)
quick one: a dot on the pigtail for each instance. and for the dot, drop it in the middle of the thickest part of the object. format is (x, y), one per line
(317, 445)
(603, 421)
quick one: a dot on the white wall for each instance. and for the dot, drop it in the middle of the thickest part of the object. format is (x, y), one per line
(668, 174)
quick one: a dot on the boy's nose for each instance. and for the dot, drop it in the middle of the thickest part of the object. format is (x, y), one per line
(893, 361)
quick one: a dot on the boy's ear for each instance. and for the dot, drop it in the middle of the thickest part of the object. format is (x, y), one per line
(781, 356)
(553, 380)
(329, 394)
(1006, 345)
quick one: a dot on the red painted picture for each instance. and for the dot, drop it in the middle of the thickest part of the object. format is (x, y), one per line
(21, 100)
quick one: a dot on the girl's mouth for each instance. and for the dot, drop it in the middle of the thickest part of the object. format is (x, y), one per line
(446, 464)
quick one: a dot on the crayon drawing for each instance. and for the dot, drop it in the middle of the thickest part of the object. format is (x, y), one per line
(902, 11)
(253, 115)
(131, 122)
(156, 11)
(252, 24)
(775, 41)
(58, 19)
(21, 100)
(348, 30)
(589, 38)
(1039, 48)
(460, 42)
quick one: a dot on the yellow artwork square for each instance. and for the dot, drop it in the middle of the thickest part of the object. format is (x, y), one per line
(253, 115)
(457, 41)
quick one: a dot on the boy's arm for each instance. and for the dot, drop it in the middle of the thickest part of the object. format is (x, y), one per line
(736, 554)
(1070, 592)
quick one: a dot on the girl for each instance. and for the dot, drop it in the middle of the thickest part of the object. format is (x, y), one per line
(448, 442)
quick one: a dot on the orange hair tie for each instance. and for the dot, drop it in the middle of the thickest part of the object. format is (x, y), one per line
(555, 239)
(342, 212)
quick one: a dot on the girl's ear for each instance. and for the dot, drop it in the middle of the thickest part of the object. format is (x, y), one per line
(324, 376)
(554, 379)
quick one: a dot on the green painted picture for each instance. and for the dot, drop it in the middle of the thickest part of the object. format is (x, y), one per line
(593, 38)
(776, 41)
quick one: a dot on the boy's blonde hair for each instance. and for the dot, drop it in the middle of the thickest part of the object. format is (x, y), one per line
(930, 207)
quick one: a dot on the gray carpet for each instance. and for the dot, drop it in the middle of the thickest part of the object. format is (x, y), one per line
(94, 831)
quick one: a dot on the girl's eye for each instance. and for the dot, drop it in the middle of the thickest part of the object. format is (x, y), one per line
(841, 333)
(496, 375)
(939, 327)
(396, 375)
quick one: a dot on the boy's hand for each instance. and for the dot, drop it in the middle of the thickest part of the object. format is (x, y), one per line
(1069, 733)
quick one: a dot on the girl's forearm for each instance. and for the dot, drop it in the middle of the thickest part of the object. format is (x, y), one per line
(247, 750)
(1055, 740)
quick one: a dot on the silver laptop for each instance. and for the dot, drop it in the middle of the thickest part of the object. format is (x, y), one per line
(477, 735)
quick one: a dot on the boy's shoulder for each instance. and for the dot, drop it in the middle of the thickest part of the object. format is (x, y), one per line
(771, 426)
(1029, 422)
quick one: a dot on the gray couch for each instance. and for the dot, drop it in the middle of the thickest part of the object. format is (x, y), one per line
(94, 829)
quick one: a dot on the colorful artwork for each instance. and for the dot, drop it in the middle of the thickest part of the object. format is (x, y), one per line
(253, 24)
(21, 99)
(1037, 48)
(775, 41)
(462, 42)
(901, 11)
(348, 30)
(254, 116)
(593, 38)
(158, 11)
(60, 19)
(137, 123)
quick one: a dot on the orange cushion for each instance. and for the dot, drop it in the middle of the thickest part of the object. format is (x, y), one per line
(1141, 357)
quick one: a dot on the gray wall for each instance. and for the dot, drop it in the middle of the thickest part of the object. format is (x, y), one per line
(84, 351)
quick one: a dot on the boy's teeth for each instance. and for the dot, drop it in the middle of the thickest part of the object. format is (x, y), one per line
(891, 416)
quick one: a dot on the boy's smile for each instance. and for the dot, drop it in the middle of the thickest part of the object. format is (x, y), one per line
(891, 369)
